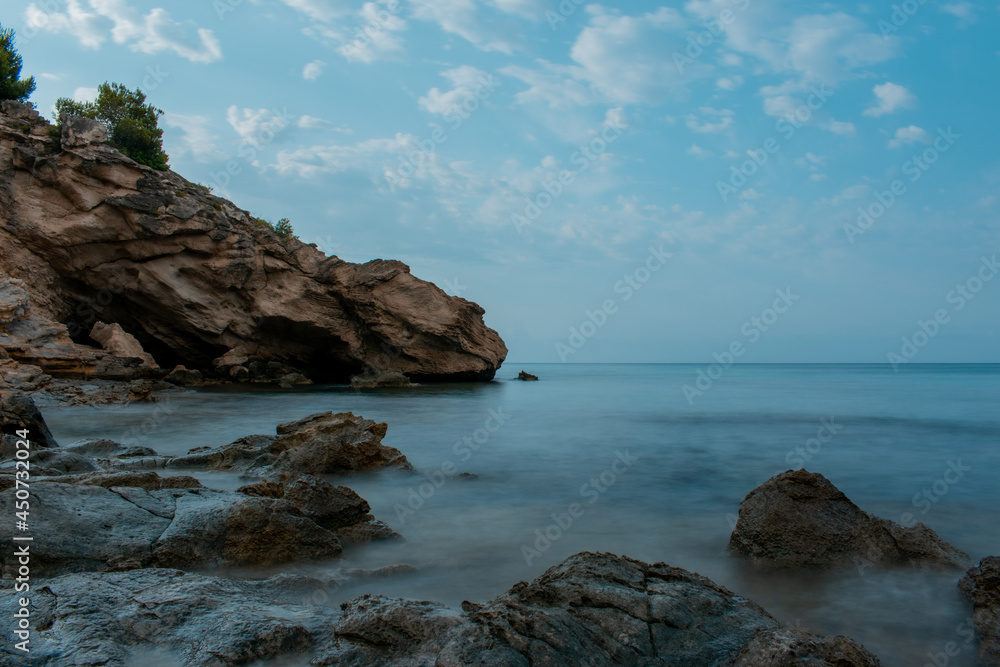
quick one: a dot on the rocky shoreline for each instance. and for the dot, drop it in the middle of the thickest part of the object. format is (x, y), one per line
(124, 572)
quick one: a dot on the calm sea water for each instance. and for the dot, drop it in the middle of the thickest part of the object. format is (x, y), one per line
(565, 441)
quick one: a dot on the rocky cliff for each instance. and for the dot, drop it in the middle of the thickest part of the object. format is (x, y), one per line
(88, 235)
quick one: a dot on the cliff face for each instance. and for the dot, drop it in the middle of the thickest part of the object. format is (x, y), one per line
(94, 236)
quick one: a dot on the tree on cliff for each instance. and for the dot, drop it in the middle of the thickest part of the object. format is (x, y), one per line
(132, 124)
(12, 86)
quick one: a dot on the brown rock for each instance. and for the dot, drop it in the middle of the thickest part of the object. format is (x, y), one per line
(114, 339)
(800, 519)
(193, 276)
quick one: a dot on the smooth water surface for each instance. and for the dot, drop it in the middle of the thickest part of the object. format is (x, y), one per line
(683, 466)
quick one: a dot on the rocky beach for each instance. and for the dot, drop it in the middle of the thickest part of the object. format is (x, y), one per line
(121, 285)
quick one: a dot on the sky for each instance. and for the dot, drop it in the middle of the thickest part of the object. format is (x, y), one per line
(753, 181)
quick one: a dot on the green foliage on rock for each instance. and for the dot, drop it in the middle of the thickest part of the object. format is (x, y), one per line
(12, 86)
(132, 124)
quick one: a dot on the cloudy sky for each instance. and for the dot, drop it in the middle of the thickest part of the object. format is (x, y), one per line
(612, 182)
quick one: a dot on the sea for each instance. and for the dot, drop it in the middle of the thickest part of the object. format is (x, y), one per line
(646, 460)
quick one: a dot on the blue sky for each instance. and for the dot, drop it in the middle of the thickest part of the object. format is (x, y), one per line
(542, 158)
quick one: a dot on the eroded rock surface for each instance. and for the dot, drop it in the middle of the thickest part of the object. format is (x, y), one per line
(196, 280)
(981, 585)
(592, 609)
(800, 519)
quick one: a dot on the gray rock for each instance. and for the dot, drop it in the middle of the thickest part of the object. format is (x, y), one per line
(85, 527)
(80, 132)
(800, 519)
(380, 379)
(167, 617)
(19, 412)
(982, 586)
(592, 609)
(185, 377)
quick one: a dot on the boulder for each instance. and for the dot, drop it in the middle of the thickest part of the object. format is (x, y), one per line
(185, 377)
(19, 412)
(981, 585)
(800, 519)
(86, 527)
(80, 132)
(592, 609)
(527, 377)
(336, 508)
(114, 339)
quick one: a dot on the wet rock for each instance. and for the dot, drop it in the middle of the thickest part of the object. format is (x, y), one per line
(380, 379)
(592, 609)
(528, 377)
(184, 377)
(115, 340)
(19, 412)
(101, 448)
(87, 527)
(800, 519)
(981, 585)
(168, 617)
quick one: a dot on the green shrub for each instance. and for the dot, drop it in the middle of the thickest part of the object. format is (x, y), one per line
(133, 125)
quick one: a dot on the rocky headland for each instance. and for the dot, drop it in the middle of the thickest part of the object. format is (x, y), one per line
(111, 270)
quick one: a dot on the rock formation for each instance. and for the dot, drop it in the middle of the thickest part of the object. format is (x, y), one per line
(592, 609)
(800, 519)
(982, 586)
(88, 234)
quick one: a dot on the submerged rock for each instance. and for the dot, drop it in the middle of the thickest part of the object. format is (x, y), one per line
(981, 585)
(592, 609)
(800, 519)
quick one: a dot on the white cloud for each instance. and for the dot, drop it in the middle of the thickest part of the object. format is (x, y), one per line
(255, 126)
(839, 127)
(377, 38)
(699, 152)
(85, 94)
(198, 139)
(313, 70)
(151, 33)
(709, 120)
(319, 10)
(313, 123)
(465, 80)
(460, 17)
(556, 86)
(730, 82)
(629, 59)
(810, 161)
(889, 97)
(907, 136)
(963, 10)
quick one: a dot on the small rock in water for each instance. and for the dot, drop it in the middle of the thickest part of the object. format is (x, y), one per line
(982, 586)
(528, 377)
(378, 379)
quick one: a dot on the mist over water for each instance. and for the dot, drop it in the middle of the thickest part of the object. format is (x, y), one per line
(654, 476)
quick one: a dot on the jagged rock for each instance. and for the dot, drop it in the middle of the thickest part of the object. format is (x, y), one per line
(101, 448)
(80, 132)
(982, 586)
(19, 412)
(800, 519)
(184, 377)
(528, 377)
(192, 276)
(86, 527)
(380, 379)
(114, 339)
(14, 303)
(592, 609)
(336, 508)
(169, 617)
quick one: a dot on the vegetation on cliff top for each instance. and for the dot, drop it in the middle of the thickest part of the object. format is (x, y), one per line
(133, 125)
(12, 86)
